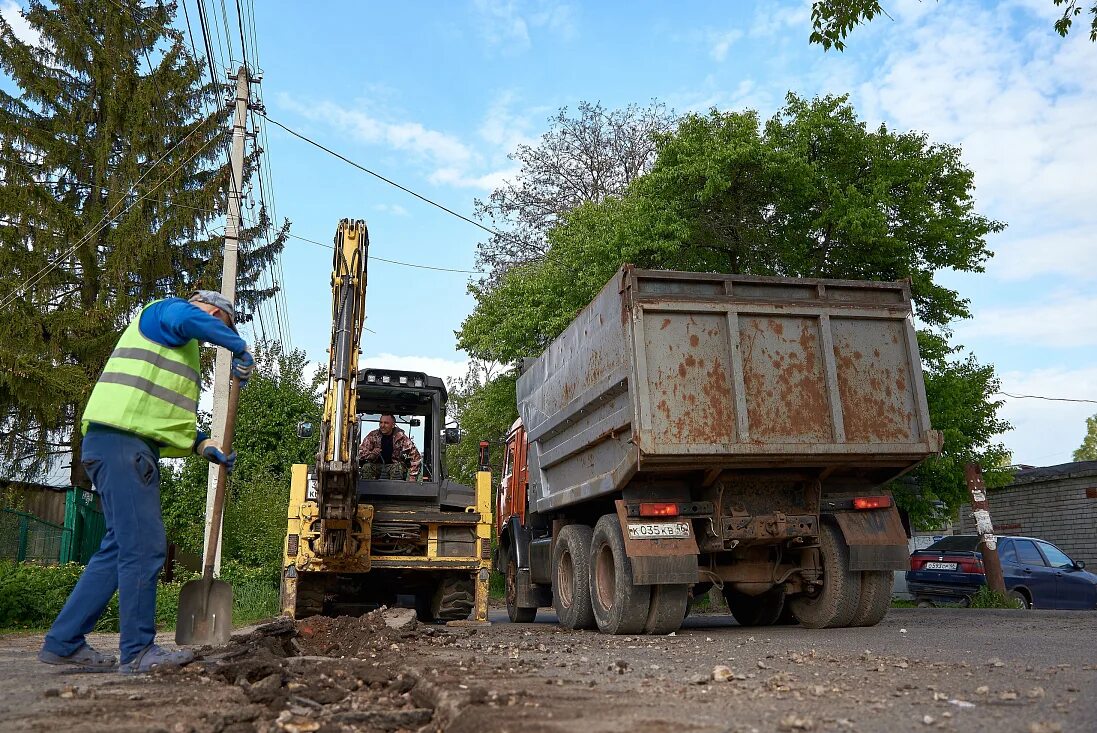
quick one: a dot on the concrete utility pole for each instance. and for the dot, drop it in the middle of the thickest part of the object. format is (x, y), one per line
(228, 289)
(988, 543)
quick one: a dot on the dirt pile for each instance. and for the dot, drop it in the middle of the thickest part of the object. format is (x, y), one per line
(321, 674)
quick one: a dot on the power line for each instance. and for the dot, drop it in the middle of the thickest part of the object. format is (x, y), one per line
(389, 181)
(1039, 397)
(391, 262)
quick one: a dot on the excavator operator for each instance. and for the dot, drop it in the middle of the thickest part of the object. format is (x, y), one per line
(389, 452)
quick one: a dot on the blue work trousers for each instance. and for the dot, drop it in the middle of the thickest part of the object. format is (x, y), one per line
(126, 472)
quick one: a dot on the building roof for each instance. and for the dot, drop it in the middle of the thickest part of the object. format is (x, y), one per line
(1077, 469)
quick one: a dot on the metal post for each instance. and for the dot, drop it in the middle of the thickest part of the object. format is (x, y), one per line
(988, 543)
(228, 289)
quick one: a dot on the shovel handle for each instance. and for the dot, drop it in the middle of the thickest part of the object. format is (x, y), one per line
(216, 510)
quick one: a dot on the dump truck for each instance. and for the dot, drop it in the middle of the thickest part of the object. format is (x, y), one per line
(355, 543)
(692, 430)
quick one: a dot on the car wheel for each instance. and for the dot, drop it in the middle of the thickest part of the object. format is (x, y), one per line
(1020, 599)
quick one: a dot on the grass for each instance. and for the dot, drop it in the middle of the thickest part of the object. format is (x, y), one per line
(31, 596)
(987, 598)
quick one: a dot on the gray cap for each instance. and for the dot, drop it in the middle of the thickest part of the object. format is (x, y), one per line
(214, 298)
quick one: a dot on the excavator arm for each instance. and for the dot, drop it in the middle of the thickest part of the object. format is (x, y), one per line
(337, 464)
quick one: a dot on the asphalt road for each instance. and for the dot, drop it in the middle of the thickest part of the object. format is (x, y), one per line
(919, 670)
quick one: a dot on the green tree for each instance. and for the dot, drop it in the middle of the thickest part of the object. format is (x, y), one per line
(833, 20)
(485, 408)
(110, 172)
(1087, 451)
(811, 193)
(275, 400)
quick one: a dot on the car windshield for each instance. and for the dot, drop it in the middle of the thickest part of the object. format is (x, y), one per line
(955, 543)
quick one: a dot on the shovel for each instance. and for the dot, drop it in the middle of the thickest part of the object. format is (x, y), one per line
(205, 605)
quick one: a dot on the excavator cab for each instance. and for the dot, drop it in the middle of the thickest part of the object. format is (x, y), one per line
(411, 397)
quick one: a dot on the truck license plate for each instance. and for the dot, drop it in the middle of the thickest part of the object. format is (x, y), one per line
(656, 530)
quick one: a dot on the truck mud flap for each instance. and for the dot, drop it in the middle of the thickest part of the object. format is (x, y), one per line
(876, 539)
(659, 561)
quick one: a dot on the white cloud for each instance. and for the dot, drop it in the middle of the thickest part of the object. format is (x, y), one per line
(1020, 101)
(19, 26)
(771, 19)
(394, 209)
(486, 182)
(721, 42)
(446, 369)
(505, 129)
(506, 24)
(1060, 320)
(454, 162)
(1071, 252)
(438, 147)
(1046, 433)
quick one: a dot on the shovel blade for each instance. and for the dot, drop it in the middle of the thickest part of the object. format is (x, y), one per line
(205, 613)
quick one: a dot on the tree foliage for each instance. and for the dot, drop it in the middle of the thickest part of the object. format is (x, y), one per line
(811, 193)
(484, 406)
(277, 397)
(833, 20)
(1087, 451)
(582, 158)
(110, 172)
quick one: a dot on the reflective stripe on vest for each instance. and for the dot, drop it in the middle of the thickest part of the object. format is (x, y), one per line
(150, 390)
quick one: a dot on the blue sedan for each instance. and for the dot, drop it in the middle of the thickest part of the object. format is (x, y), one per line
(1037, 573)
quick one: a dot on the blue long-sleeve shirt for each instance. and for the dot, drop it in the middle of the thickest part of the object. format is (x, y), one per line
(174, 321)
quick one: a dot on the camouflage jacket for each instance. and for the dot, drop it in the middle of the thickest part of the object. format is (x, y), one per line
(370, 450)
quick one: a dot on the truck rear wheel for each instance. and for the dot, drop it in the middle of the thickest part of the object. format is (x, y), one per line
(834, 604)
(620, 606)
(571, 577)
(517, 614)
(761, 610)
(669, 606)
(875, 597)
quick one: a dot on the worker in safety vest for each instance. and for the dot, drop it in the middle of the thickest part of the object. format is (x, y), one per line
(144, 406)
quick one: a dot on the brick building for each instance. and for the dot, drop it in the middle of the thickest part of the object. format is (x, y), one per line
(1054, 503)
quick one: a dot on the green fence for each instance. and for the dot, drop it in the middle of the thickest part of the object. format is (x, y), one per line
(25, 537)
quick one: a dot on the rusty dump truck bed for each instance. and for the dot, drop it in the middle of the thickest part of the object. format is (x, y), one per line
(668, 372)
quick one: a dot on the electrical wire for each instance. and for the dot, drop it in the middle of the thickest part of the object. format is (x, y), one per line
(1040, 397)
(389, 181)
(391, 262)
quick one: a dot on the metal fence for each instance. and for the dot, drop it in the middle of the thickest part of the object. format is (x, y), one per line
(25, 537)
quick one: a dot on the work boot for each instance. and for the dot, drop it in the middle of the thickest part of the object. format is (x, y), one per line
(84, 659)
(153, 658)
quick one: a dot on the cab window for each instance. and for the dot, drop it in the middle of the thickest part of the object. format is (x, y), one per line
(507, 462)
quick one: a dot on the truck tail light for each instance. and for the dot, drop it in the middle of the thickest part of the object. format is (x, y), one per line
(872, 502)
(659, 509)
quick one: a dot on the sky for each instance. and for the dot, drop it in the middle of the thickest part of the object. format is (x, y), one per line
(435, 95)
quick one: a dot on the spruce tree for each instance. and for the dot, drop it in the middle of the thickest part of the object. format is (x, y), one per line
(113, 172)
